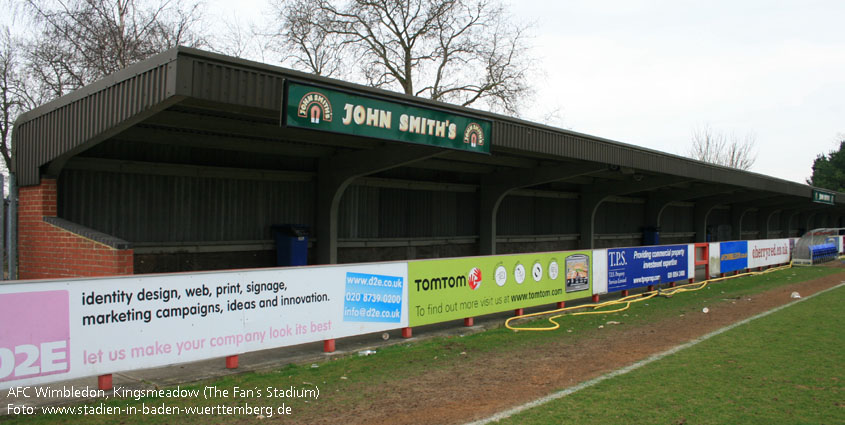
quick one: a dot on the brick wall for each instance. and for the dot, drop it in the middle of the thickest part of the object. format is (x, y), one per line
(52, 248)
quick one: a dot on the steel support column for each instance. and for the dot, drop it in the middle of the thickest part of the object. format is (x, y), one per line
(592, 197)
(657, 203)
(764, 216)
(703, 208)
(334, 175)
(786, 221)
(737, 213)
(495, 187)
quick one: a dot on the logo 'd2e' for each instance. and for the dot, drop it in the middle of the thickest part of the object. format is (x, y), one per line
(35, 334)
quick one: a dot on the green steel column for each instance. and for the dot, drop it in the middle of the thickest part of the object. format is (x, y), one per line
(335, 173)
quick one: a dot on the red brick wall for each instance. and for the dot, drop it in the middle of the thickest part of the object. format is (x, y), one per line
(46, 251)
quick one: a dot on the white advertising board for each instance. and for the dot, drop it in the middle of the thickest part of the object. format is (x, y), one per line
(691, 261)
(768, 252)
(57, 330)
(714, 249)
(599, 271)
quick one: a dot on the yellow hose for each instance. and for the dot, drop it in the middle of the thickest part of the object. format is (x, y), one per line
(630, 299)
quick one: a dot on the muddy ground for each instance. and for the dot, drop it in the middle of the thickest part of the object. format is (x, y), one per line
(459, 394)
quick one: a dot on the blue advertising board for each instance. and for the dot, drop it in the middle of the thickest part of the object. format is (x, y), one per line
(648, 265)
(373, 298)
(733, 256)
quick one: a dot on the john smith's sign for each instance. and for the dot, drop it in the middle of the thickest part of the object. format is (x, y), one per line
(335, 111)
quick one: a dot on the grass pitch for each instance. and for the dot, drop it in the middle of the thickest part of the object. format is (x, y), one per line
(785, 368)
(786, 372)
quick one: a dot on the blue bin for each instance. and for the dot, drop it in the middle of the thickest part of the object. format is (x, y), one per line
(291, 244)
(651, 236)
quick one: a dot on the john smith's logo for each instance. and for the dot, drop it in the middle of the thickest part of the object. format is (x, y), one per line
(474, 278)
(316, 106)
(474, 135)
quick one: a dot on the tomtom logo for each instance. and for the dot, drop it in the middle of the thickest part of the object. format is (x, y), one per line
(438, 283)
(316, 106)
(474, 278)
(35, 335)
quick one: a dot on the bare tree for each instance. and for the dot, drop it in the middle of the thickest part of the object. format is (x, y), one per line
(16, 95)
(239, 39)
(305, 39)
(715, 147)
(8, 101)
(459, 51)
(81, 41)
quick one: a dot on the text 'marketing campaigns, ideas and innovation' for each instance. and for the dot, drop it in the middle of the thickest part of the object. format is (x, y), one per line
(85, 328)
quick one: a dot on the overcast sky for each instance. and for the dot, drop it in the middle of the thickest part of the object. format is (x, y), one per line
(648, 73)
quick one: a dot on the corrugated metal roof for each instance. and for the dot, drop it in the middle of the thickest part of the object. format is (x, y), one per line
(73, 123)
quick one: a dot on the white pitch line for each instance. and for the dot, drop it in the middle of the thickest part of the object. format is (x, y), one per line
(563, 393)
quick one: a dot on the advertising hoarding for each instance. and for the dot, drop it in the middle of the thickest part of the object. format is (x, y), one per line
(450, 289)
(733, 256)
(715, 259)
(323, 109)
(599, 271)
(55, 330)
(629, 268)
(768, 252)
(824, 197)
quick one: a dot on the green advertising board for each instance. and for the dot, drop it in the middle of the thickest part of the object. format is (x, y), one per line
(823, 197)
(318, 108)
(450, 289)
